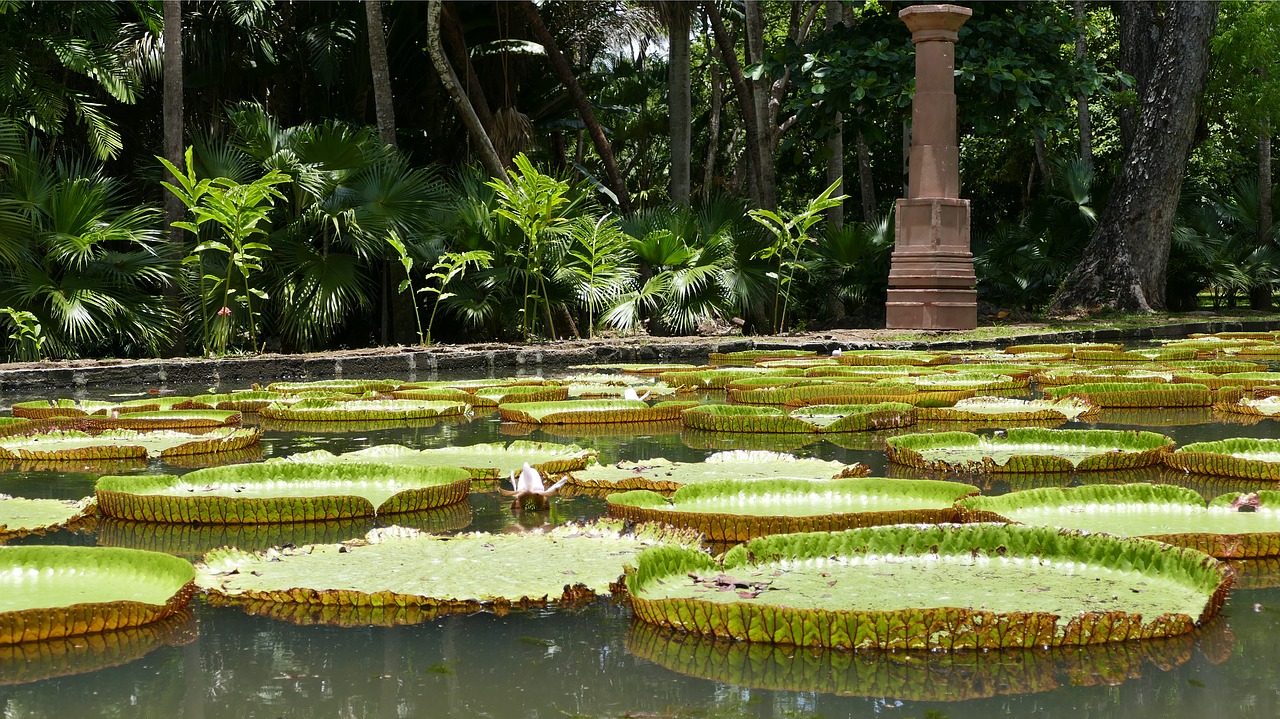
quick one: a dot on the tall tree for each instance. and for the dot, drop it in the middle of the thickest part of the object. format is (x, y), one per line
(835, 141)
(1125, 262)
(484, 146)
(729, 56)
(588, 116)
(676, 17)
(1083, 121)
(383, 105)
(173, 151)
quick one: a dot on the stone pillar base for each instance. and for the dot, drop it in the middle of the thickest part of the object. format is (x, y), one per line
(931, 309)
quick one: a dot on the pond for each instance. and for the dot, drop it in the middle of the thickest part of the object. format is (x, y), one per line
(591, 661)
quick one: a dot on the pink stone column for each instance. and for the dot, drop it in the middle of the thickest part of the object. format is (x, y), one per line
(931, 279)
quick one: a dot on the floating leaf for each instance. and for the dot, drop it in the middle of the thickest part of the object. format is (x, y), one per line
(934, 587)
(1238, 457)
(20, 517)
(48, 592)
(1136, 394)
(592, 411)
(663, 475)
(738, 510)
(1030, 449)
(124, 444)
(482, 461)
(1005, 409)
(323, 410)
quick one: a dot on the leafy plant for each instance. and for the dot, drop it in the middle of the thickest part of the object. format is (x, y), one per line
(27, 336)
(790, 233)
(238, 210)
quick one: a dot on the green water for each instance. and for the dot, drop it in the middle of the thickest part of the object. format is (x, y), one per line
(590, 662)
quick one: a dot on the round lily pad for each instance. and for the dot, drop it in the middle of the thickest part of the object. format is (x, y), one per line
(1242, 457)
(281, 492)
(464, 573)
(739, 510)
(47, 592)
(344, 386)
(592, 411)
(324, 410)
(932, 587)
(1029, 449)
(20, 517)
(663, 475)
(1008, 409)
(174, 419)
(484, 461)
(1233, 526)
(59, 445)
(1264, 407)
(1136, 394)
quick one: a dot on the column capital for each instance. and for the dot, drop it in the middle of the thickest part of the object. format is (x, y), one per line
(934, 22)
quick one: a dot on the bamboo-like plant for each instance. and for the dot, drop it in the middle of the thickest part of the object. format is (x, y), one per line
(238, 209)
(790, 233)
(449, 266)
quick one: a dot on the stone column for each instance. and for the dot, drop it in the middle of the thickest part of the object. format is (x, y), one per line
(931, 279)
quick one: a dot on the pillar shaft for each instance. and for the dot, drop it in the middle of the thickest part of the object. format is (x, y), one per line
(931, 279)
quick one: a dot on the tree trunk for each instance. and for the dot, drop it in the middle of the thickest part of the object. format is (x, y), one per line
(713, 129)
(561, 66)
(1125, 262)
(386, 114)
(729, 54)
(759, 94)
(1042, 159)
(679, 79)
(866, 181)
(488, 156)
(1260, 298)
(1140, 30)
(174, 151)
(453, 34)
(835, 141)
(1083, 120)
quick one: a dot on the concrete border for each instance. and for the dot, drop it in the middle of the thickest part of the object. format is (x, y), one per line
(419, 363)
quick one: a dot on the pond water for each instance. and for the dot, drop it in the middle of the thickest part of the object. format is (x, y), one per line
(591, 661)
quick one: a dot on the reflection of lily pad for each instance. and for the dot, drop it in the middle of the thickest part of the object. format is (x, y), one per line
(1006, 409)
(483, 461)
(36, 661)
(1261, 573)
(47, 592)
(192, 541)
(739, 510)
(463, 573)
(20, 517)
(1242, 457)
(124, 444)
(727, 441)
(663, 475)
(323, 410)
(281, 492)
(592, 411)
(932, 587)
(1030, 449)
(1166, 514)
(910, 676)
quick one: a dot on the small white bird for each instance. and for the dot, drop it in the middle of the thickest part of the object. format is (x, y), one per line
(630, 393)
(836, 352)
(529, 487)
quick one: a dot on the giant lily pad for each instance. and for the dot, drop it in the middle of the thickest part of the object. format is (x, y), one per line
(1238, 457)
(342, 386)
(1102, 375)
(914, 676)
(932, 587)
(1249, 407)
(488, 396)
(167, 419)
(960, 381)
(1145, 355)
(895, 357)
(1029, 449)
(663, 475)
(323, 410)
(70, 408)
(592, 411)
(482, 461)
(1067, 348)
(739, 510)
(815, 390)
(749, 357)
(20, 517)
(124, 444)
(813, 418)
(47, 592)
(699, 380)
(466, 573)
(1172, 515)
(281, 492)
(1244, 380)
(1006, 409)
(1136, 394)
(239, 401)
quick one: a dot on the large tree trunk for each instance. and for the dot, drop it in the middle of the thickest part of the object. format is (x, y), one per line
(759, 93)
(386, 114)
(729, 54)
(457, 40)
(1140, 30)
(1260, 297)
(713, 129)
(480, 138)
(835, 141)
(866, 181)
(1125, 262)
(174, 151)
(679, 79)
(1083, 120)
(588, 116)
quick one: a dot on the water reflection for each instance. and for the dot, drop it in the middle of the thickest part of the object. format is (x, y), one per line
(35, 661)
